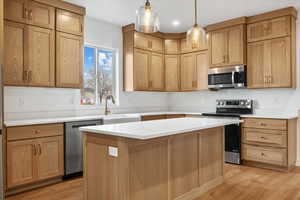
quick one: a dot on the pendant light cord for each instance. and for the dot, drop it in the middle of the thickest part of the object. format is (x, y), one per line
(196, 21)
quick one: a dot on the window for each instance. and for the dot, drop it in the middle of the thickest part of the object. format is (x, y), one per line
(99, 74)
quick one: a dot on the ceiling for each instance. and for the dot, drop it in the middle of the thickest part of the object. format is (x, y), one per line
(122, 12)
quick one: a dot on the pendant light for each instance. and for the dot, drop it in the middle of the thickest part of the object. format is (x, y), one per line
(147, 19)
(196, 35)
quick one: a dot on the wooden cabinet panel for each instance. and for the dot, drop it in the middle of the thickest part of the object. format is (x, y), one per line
(14, 60)
(21, 163)
(278, 27)
(15, 10)
(157, 72)
(141, 41)
(172, 47)
(188, 72)
(236, 46)
(141, 69)
(157, 44)
(149, 170)
(50, 162)
(274, 156)
(69, 52)
(202, 65)
(275, 124)
(41, 57)
(69, 22)
(152, 117)
(218, 48)
(179, 147)
(172, 116)
(209, 166)
(281, 75)
(41, 15)
(172, 74)
(256, 61)
(185, 46)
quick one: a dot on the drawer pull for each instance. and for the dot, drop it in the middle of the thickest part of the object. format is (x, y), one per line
(263, 124)
(40, 149)
(34, 149)
(262, 154)
(37, 131)
(262, 137)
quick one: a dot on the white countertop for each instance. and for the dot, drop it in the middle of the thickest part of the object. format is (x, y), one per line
(159, 128)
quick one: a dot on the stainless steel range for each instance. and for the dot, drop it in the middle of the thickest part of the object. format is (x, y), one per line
(233, 109)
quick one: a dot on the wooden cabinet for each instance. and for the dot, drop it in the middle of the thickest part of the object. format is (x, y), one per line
(141, 69)
(228, 46)
(172, 46)
(269, 64)
(269, 143)
(157, 72)
(35, 158)
(186, 47)
(172, 74)
(274, 28)
(194, 67)
(147, 42)
(69, 22)
(30, 12)
(69, 52)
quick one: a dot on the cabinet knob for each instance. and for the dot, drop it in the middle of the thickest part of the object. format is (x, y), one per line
(37, 131)
(30, 14)
(262, 154)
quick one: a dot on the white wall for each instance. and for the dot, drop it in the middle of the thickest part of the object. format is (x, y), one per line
(24, 103)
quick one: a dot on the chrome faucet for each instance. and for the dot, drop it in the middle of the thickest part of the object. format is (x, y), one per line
(107, 97)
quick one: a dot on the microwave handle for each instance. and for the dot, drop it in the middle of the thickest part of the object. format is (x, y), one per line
(232, 78)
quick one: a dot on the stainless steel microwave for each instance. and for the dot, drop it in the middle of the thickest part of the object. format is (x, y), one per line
(227, 77)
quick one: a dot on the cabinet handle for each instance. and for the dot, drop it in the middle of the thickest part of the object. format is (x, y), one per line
(40, 149)
(224, 58)
(263, 124)
(81, 28)
(30, 76)
(262, 154)
(34, 149)
(25, 75)
(262, 137)
(30, 14)
(271, 79)
(25, 15)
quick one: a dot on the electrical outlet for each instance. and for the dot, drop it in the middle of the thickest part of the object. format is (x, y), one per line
(113, 151)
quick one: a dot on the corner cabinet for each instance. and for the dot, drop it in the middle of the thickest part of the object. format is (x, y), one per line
(42, 48)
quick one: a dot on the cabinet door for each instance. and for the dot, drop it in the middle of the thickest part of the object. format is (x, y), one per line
(236, 46)
(50, 162)
(256, 64)
(157, 44)
(281, 75)
(41, 15)
(157, 72)
(278, 27)
(41, 56)
(14, 66)
(172, 73)
(15, 10)
(141, 41)
(202, 70)
(172, 47)
(185, 46)
(21, 162)
(69, 52)
(141, 69)
(188, 72)
(69, 22)
(218, 48)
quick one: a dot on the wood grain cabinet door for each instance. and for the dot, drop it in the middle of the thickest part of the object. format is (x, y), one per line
(157, 72)
(188, 72)
(157, 44)
(68, 22)
(41, 57)
(41, 15)
(141, 41)
(50, 162)
(202, 70)
(14, 41)
(172, 47)
(281, 75)
(185, 46)
(21, 163)
(16, 10)
(141, 69)
(218, 48)
(69, 53)
(236, 46)
(257, 61)
(172, 73)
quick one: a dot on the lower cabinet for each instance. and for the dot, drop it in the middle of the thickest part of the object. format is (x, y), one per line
(33, 160)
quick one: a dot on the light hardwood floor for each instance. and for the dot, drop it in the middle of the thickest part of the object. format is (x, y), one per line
(241, 183)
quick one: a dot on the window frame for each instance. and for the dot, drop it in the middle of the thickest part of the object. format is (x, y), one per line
(115, 72)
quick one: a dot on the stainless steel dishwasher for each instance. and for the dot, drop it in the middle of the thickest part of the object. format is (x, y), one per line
(73, 146)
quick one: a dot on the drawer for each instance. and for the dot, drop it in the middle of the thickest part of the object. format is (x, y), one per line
(175, 116)
(153, 117)
(275, 124)
(274, 156)
(35, 131)
(274, 138)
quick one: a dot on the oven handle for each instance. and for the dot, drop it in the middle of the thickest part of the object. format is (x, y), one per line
(232, 77)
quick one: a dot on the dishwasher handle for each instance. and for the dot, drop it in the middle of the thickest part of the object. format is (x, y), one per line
(78, 126)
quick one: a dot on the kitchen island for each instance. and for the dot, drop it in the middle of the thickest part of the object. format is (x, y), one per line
(172, 159)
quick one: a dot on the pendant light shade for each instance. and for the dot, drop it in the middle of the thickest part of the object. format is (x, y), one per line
(147, 19)
(196, 35)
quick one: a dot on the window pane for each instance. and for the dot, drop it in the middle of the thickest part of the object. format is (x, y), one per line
(88, 93)
(105, 69)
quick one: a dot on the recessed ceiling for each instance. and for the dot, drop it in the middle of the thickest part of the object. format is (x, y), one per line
(122, 12)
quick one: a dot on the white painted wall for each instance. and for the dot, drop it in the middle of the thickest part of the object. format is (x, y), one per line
(25, 103)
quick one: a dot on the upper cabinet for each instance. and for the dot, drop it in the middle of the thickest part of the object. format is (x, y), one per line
(172, 73)
(69, 22)
(172, 46)
(227, 43)
(272, 50)
(30, 12)
(147, 42)
(38, 53)
(186, 47)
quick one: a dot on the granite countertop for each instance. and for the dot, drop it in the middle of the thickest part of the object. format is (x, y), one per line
(158, 128)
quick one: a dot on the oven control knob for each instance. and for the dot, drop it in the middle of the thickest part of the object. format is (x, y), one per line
(248, 103)
(242, 103)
